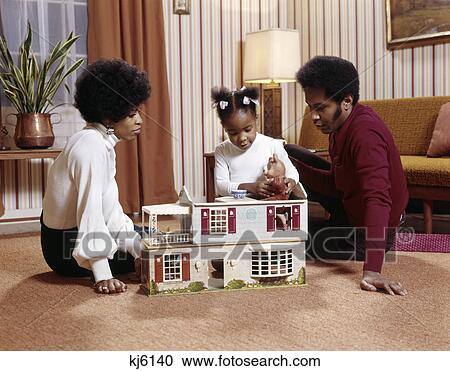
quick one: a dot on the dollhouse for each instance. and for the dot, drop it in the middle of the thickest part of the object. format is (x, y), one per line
(225, 244)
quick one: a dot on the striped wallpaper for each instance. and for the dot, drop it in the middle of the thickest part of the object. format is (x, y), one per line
(205, 49)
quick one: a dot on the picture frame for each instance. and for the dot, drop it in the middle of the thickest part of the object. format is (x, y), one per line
(417, 23)
(182, 6)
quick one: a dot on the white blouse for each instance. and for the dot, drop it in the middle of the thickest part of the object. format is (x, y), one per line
(82, 192)
(235, 165)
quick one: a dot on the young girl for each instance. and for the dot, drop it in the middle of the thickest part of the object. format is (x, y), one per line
(241, 159)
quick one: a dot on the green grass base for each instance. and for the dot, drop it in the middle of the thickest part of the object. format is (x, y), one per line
(185, 291)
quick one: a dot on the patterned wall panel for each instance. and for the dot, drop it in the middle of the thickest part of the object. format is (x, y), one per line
(22, 184)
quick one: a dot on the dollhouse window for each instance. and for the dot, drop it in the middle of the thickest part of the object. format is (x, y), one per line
(272, 263)
(172, 267)
(218, 222)
(283, 218)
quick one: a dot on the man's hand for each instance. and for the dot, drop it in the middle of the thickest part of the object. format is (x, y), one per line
(290, 184)
(372, 281)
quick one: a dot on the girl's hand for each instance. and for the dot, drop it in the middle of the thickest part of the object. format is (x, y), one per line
(111, 286)
(263, 188)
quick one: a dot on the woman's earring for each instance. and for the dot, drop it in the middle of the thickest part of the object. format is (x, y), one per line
(109, 130)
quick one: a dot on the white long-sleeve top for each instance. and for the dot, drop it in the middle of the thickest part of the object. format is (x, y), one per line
(235, 165)
(82, 192)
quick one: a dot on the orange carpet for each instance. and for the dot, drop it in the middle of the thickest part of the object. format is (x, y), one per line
(41, 311)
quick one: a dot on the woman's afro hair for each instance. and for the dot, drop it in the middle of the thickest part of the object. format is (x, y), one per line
(110, 89)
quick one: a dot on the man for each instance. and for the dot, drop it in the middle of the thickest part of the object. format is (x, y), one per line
(364, 186)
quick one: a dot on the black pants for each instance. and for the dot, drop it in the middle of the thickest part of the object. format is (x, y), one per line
(335, 238)
(57, 247)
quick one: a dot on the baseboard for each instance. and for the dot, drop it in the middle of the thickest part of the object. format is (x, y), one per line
(20, 221)
(20, 227)
(12, 215)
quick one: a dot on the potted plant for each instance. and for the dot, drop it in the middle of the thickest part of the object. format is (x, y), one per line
(31, 88)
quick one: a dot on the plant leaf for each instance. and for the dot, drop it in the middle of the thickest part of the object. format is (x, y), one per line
(5, 54)
(29, 87)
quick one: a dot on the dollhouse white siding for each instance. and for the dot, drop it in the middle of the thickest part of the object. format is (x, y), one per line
(241, 269)
(240, 237)
(237, 261)
(251, 224)
(198, 267)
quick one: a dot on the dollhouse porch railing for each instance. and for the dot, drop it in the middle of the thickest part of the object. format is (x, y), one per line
(170, 238)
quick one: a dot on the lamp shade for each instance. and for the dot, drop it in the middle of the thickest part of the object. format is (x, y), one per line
(271, 56)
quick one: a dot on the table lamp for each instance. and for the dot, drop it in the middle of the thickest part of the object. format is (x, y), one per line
(271, 57)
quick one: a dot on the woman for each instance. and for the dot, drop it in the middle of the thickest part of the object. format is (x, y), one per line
(83, 227)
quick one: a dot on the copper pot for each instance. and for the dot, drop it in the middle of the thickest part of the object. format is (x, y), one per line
(34, 130)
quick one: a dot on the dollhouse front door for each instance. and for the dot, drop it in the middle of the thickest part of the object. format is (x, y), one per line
(215, 274)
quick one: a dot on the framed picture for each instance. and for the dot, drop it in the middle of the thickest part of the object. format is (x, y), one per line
(181, 6)
(411, 23)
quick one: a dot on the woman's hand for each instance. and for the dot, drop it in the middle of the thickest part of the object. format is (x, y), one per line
(111, 286)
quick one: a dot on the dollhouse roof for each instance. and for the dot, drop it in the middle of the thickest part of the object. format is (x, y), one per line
(167, 209)
(185, 203)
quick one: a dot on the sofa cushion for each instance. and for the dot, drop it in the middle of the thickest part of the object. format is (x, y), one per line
(425, 171)
(410, 120)
(440, 141)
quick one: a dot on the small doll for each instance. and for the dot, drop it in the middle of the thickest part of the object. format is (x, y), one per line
(275, 172)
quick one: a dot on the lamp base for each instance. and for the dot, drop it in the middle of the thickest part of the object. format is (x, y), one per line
(272, 111)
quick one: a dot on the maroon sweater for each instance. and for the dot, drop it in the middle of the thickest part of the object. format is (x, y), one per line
(367, 174)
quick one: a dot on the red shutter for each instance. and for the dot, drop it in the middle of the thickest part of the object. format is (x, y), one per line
(295, 217)
(159, 268)
(231, 220)
(205, 221)
(270, 218)
(186, 267)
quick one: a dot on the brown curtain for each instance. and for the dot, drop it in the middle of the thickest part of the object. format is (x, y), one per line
(134, 31)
